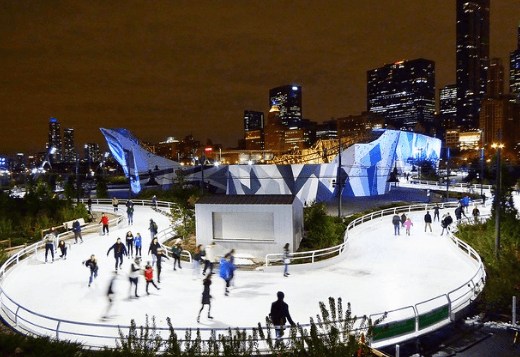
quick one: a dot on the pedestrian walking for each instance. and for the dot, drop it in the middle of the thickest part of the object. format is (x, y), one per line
(130, 213)
(115, 203)
(130, 244)
(104, 222)
(225, 270)
(92, 264)
(160, 257)
(408, 224)
(133, 276)
(476, 214)
(280, 314)
(76, 228)
(49, 244)
(396, 221)
(177, 251)
(63, 248)
(286, 259)
(403, 219)
(153, 228)
(427, 221)
(119, 250)
(148, 276)
(436, 213)
(206, 297)
(138, 242)
(154, 245)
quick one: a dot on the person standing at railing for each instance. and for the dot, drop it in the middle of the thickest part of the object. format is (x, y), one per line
(459, 212)
(104, 222)
(49, 244)
(427, 221)
(286, 259)
(177, 251)
(138, 242)
(115, 203)
(436, 213)
(130, 244)
(76, 228)
(397, 224)
(408, 224)
(92, 264)
(280, 314)
(119, 250)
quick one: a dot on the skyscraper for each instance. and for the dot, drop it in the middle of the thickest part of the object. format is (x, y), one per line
(69, 151)
(288, 99)
(55, 143)
(495, 79)
(253, 120)
(472, 59)
(448, 106)
(514, 70)
(403, 92)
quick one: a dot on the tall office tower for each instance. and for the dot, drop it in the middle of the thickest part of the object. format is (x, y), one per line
(448, 106)
(403, 92)
(514, 70)
(274, 132)
(253, 120)
(288, 99)
(472, 59)
(69, 151)
(55, 143)
(495, 79)
(92, 153)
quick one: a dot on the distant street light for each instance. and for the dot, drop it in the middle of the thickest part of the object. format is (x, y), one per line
(497, 146)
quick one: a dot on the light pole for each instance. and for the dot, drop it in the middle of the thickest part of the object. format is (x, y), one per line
(498, 146)
(339, 179)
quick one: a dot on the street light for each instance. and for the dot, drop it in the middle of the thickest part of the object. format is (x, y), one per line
(497, 146)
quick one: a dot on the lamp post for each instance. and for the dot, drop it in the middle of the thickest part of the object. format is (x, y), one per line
(340, 191)
(498, 146)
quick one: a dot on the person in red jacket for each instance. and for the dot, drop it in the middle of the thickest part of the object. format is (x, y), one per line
(104, 222)
(148, 275)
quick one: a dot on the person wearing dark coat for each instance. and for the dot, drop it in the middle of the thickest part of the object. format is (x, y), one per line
(119, 250)
(226, 271)
(459, 211)
(206, 297)
(427, 221)
(153, 249)
(403, 219)
(92, 264)
(76, 228)
(279, 314)
(397, 223)
(436, 213)
(160, 256)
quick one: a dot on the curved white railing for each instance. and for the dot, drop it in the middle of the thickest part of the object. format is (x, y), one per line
(422, 317)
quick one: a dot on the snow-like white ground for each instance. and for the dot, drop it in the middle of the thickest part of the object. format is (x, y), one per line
(380, 272)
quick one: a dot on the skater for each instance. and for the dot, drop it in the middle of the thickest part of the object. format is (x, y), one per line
(76, 228)
(279, 313)
(92, 264)
(154, 201)
(130, 244)
(286, 260)
(427, 221)
(408, 224)
(476, 214)
(177, 251)
(436, 213)
(104, 222)
(119, 250)
(148, 275)
(206, 297)
(110, 294)
(153, 229)
(133, 277)
(153, 249)
(115, 203)
(459, 211)
(138, 242)
(130, 213)
(89, 205)
(403, 219)
(445, 223)
(160, 257)
(208, 259)
(226, 269)
(397, 223)
(63, 249)
(198, 258)
(49, 244)
(232, 261)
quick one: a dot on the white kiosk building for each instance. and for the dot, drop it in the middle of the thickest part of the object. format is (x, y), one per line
(253, 224)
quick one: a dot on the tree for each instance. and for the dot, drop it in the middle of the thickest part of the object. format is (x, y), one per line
(321, 229)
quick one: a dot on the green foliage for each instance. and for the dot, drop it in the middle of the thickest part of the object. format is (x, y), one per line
(101, 187)
(18, 345)
(321, 229)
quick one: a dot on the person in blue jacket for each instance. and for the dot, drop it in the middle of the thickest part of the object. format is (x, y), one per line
(226, 271)
(119, 250)
(138, 242)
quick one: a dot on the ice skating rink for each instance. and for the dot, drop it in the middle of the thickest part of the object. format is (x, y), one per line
(380, 272)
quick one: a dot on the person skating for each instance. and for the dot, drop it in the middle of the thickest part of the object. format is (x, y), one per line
(148, 276)
(446, 221)
(177, 251)
(225, 270)
(436, 213)
(130, 243)
(396, 221)
(198, 258)
(104, 222)
(76, 228)
(476, 214)
(427, 221)
(403, 219)
(89, 205)
(115, 203)
(206, 297)
(160, 257)
(154, 245)
(63, 248)
(110, 294)
(119, 250)
(133, 276)
(408, 224)
(138, 242)
(280, 314)
(49, 244)
(286, 259)
(92, 264)
(208, 259)
(459, 212)
(153, 229)
(130, 213)
(154, 201)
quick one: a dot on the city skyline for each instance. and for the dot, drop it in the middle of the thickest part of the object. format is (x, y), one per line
(169, 69)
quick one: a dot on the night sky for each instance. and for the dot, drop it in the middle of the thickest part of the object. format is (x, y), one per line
(177, 68)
